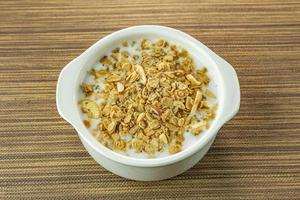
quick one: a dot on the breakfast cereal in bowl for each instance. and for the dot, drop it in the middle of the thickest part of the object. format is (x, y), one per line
(145, 97)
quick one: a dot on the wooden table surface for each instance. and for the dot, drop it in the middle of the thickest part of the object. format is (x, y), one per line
(255, 156)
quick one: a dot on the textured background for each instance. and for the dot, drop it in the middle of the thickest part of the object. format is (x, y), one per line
(255, 156)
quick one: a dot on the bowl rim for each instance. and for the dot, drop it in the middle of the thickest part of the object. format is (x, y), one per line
(85, 134)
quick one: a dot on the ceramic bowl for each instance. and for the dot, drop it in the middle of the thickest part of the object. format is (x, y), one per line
(221, 72)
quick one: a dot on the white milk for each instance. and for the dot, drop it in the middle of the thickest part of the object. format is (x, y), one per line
(189, 139)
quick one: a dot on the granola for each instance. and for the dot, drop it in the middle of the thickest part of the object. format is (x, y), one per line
(149, 99)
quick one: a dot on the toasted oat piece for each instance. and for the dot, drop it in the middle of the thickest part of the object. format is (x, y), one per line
(105, 61)
(87, 89)
(210, 94)
(91, 108)
(174, 148)
(145, 44)
(87, 123)
(192, 79)
(113, 78)
(197, 100)
(154, 124)
(99, 73)
(163, 138)
(197, 130)
(140, 71)
(125, 44)
(112, 126)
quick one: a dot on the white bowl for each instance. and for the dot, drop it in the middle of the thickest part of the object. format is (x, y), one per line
(67, 96)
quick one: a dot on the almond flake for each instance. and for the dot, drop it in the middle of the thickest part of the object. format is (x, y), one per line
(120, 87)
(192, 79)
(163, 138)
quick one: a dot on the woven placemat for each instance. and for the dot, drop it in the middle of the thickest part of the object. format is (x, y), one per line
(255, 156)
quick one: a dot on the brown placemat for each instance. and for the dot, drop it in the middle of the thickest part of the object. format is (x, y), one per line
(255, 156)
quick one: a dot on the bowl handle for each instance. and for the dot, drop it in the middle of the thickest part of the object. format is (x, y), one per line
(231, 88)
(65, 90)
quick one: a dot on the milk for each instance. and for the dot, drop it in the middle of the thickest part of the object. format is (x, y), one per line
(189, 139)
